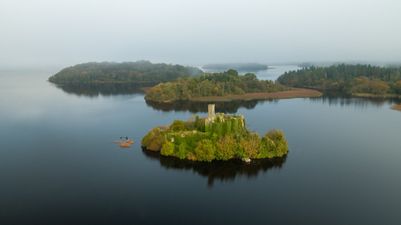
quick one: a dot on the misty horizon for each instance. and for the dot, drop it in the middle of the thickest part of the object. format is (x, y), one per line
(57, 34)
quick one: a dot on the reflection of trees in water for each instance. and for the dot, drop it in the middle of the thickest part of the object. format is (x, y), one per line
(194, 107)
(94, 90)
(357, 102)
(222, 171)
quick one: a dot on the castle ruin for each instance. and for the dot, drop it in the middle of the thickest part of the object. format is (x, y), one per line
(211, 114)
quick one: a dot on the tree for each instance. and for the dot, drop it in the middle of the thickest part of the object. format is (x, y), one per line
(226, 148)
(280, 145)
(205, 150)
(178, 125)
(182, 150)
(154, 139)
(250, 146)
(397, 87)
(167, 149)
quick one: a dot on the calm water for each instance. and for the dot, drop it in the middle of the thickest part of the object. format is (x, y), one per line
(272, 73)
(58, 163)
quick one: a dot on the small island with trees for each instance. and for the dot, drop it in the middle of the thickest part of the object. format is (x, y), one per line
(217, 137)
(140, 73)
(224, 86)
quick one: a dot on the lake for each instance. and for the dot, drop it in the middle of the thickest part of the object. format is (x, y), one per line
(59, 165)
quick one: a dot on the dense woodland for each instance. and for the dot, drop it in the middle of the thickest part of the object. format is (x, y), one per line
(141, 72)
(347, 79)
(225, 138)
(211, 84)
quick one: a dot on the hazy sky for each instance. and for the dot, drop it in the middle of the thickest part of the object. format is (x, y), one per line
(65, 32)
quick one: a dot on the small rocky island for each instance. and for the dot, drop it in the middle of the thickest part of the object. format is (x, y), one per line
(217, 137)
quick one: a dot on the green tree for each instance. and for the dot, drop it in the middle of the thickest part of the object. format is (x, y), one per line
(154, 139)
(226, 148)
(182, 150)
(250, 146)
(178, 125)
(167, 149)
(205, 150)
(397, 87)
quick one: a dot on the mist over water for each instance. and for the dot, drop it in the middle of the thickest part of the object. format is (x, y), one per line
(43, 33)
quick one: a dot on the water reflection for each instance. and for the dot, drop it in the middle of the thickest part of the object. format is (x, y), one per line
(195, 107)
(221, 171)
(95, 90)
(361, 103)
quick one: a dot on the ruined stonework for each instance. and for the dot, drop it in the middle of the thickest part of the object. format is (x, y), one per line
(211, 113)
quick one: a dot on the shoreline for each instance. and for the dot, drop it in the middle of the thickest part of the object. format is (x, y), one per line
(396, 107)
(293, 93)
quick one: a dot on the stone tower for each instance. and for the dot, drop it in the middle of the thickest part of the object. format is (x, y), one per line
(210, 109)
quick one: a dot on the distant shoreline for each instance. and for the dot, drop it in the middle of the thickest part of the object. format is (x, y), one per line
(293, 93)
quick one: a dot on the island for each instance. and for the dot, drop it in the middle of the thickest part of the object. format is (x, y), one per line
(236, 66)
(218, 136)
(223, 86)
(347, 80)
(140, 73)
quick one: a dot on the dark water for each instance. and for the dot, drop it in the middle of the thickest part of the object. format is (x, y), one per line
(58, 163)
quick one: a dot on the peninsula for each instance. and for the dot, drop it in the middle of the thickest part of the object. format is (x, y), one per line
(216, 137)
(348, 80)
(140, 73)
(396, 107)
(225, 86)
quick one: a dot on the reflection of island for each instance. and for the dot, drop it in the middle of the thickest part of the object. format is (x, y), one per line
(195, 107)
(219, 170)
(356, 102)
(94, 90)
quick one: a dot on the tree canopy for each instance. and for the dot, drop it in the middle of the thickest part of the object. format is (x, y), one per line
(211, 84)
(347, 79)
(140, 72)
(224, 138)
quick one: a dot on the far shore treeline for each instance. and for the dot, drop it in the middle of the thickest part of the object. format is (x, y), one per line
(355, 80)
(142, 73)
(180, 83)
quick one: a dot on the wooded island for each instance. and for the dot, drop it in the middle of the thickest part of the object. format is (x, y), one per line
(216, 137)
(225, 86)
(141, 73)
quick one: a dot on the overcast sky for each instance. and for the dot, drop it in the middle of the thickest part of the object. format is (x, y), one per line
(65, 32)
